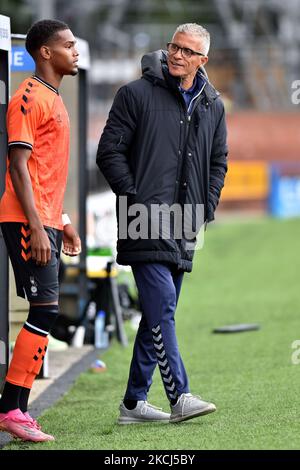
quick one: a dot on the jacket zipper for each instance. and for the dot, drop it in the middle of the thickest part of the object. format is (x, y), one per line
(188, 120)
(196, 102)
(195, 98)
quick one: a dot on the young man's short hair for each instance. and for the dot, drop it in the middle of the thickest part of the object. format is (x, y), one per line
(41, 32)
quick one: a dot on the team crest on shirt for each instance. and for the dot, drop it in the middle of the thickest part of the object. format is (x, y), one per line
(33, 287)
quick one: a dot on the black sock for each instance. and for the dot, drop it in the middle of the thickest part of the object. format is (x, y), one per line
(174, 401)
(10, 397)
(130, 404)
(23, 400)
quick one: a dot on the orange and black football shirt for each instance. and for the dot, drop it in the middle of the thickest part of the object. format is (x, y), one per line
(37, 119)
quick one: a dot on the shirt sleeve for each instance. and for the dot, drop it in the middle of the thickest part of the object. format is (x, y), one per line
(23, 119)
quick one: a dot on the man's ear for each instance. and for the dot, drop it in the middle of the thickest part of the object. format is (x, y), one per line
(45, 52)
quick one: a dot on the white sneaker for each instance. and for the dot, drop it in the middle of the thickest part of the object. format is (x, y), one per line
(190, 406)
(142, 413)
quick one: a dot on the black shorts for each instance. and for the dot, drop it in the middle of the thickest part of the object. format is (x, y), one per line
(34, 283)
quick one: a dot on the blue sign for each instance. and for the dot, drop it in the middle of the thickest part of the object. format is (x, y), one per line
(21, 61)
(285, 194)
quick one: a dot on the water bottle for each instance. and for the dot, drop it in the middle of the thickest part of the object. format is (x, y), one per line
(78, 338)
(101, 335)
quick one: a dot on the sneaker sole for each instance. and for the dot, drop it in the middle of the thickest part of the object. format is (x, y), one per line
(141, 421)
(206, 411)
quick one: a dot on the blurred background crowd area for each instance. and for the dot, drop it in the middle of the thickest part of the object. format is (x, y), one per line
(253, 61)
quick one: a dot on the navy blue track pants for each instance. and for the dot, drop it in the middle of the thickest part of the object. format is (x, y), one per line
(159, 288)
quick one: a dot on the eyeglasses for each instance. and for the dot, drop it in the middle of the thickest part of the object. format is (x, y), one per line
(185, 51)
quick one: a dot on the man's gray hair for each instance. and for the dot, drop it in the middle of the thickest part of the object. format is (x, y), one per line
(197, 30)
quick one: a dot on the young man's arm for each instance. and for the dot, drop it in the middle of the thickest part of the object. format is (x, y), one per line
(40, 244)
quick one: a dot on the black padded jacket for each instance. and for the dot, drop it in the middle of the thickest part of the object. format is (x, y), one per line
(153, 151)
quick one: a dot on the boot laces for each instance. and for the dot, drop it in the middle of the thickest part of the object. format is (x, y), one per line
(147, 405)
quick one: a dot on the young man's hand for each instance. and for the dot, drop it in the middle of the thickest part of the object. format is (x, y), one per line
(71, 241)
(40, 246)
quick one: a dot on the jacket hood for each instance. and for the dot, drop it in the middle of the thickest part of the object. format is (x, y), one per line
(155, 69)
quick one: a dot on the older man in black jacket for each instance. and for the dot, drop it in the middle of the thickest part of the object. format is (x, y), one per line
(163, 150)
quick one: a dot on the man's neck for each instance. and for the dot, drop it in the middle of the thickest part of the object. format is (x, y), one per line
(186, 82)
(49, 76)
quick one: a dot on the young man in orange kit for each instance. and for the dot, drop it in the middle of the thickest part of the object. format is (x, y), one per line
(31, 211)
